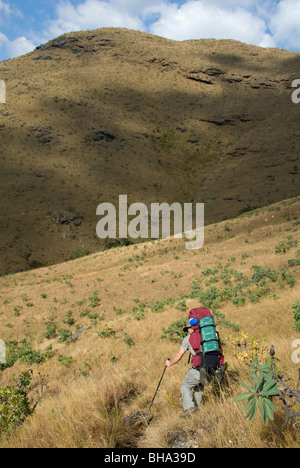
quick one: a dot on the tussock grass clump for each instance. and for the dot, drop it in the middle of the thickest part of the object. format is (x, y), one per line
(89, 414)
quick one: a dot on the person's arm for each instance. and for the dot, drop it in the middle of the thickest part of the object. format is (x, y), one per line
(175, 359)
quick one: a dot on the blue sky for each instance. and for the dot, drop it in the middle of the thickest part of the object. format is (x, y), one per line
(24, 24)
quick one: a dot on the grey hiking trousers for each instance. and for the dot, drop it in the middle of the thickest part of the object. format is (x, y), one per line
(192, 382)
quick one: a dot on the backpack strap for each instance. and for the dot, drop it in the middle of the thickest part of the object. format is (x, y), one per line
(195, 342)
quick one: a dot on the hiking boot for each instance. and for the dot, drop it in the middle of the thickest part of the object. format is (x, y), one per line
(188, 412)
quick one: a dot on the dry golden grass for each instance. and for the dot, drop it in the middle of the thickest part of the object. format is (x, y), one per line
(85, 414)
(108, 380)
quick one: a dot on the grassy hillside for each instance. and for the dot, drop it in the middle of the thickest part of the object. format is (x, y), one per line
(125, 297)
(92, 115)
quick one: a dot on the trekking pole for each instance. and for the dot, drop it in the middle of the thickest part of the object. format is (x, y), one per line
(158, 386)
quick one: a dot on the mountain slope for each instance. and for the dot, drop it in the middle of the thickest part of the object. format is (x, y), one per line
(121, 301)
(92, 115)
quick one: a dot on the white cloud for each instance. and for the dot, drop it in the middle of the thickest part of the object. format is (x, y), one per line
(285, 24)
(91, 14)
(15, 48)
(267, 41)
(211, 19)
(138, 8)
(19, 46)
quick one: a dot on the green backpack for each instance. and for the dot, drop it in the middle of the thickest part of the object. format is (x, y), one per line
(210, 341)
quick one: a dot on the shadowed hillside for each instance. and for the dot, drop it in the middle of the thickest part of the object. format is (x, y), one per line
(92, 115)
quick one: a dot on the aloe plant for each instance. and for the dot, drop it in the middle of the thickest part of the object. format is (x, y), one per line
(261, 392)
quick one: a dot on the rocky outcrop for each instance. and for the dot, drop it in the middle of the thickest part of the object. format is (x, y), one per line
(76, 45)
(100, 135)
(42, 134)
(67, 219)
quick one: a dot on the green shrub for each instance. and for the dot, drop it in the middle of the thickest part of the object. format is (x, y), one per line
(286, 245)
(139, 311)
(94, 300)
(262, 274)
(65, 360)
(239, 300)
(79, 254)
(14, 403)
(296, 311)
(181, 306)
(294, 262)
(128, 340)
(69, 320)
(175, 331)
(106, 332)
(25, 353)
(64, 335)
(51, 329)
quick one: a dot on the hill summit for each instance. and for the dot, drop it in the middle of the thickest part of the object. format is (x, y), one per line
(92, 115)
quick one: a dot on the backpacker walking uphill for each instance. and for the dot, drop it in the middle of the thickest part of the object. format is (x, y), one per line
(203, 342)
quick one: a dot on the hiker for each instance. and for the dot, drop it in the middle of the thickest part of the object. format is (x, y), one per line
(203, 367)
